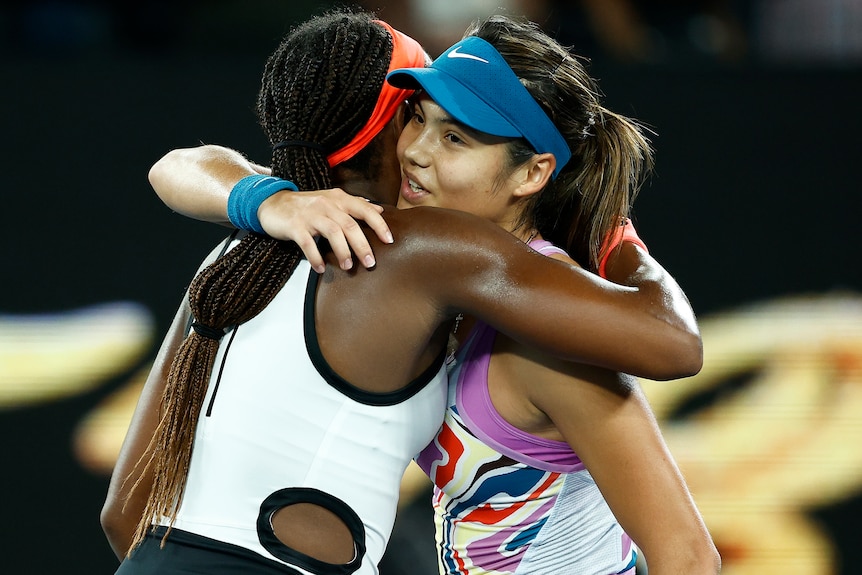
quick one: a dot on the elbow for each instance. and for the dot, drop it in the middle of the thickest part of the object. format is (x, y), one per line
(160, 172)
(691, 557)
(707, 561)
(156, 176)
(172, 168)
(715, 561)
(116, 528)
(682, 359)
(691, 356)
(108, 519)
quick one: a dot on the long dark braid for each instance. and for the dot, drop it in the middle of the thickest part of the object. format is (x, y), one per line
(320, 86)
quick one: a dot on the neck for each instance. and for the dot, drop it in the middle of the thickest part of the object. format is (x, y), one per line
(525, 233)
(357, 185)
(363, 188)
(532, 235)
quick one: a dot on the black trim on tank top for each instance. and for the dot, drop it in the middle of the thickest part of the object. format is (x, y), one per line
(293, 495)
(185, 552)
(209, 411)
(338, 382)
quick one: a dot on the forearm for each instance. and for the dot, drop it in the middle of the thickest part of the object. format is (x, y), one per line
(630, 265)
(648, 494)
(639, 479)
(196, 182)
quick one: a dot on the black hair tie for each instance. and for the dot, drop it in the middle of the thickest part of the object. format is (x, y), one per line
(299, 144)
(207, 331)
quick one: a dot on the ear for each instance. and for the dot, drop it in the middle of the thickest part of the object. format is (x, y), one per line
(535, 174)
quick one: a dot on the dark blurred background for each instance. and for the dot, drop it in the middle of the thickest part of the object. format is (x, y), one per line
(755, 109)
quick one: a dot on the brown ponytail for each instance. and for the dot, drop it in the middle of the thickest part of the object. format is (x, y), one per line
(613, 160)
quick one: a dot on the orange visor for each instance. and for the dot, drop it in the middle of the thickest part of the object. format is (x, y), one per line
(406, 53)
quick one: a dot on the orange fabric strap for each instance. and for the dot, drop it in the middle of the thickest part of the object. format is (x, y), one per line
(406, 53)
(624, 233)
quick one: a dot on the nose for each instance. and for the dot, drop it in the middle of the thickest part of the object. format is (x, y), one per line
(415, 150)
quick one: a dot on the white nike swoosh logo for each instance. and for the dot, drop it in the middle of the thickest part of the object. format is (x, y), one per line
(456, 54)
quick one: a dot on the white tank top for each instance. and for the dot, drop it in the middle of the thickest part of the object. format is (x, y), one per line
(275, 416)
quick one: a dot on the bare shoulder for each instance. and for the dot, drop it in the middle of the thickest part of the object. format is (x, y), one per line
(430, 220)
(426, 232)
(464, 262)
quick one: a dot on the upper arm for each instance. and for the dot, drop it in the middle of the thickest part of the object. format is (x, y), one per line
(606, 419)
(473, 266)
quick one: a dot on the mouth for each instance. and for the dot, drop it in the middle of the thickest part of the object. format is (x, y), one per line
(411, 191)
(415, 187)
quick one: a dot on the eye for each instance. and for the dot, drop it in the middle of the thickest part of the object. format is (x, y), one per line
(453, 138)
(415, 115)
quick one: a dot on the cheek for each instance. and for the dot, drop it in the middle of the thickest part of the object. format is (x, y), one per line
(464, 183)
(471, 186)
(476, 175)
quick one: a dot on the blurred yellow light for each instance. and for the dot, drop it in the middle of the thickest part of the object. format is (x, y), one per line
(50, 356)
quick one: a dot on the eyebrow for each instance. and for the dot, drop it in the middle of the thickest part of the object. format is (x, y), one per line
(445, 118)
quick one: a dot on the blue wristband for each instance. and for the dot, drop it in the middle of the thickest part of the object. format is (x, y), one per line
(248, 194)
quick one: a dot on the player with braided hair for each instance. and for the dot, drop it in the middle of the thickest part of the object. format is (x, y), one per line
(326, 385)
(237, 286)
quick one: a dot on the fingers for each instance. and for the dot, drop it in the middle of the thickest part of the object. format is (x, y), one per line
(371, 214)
(346, 238)
(331, 214)
(312, 254)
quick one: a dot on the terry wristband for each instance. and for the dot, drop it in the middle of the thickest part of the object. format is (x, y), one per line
(248, 194)
(624, 233)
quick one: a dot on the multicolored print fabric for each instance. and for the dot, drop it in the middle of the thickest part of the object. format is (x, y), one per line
(488, 519)
(503, 508)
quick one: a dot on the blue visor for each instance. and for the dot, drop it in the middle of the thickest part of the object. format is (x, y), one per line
(475, 85)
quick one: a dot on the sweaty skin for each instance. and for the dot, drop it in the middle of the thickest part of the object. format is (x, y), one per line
(395, 317)
(380, 326)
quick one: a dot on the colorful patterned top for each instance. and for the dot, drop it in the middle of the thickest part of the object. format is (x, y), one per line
(506, 501)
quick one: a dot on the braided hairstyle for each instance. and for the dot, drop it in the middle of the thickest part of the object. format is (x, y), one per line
(610, 153)
(320, 85)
